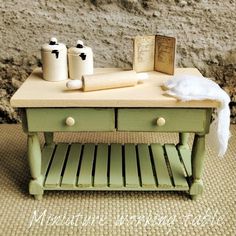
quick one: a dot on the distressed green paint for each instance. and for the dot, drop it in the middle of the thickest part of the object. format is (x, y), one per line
(177, 120)
(35, 162)
(176, 166)
(24, 120)
(69, 177)
(198, 154)
(131, 168)
(116, 178)
(34, 155)
(100, 175)
(183, 140)
(85, 174)
(86, 119)
(163, 177)
(47, 154)
(48, 137)
(54, 175)
(100, 179)
(122, 175)
(147, 177)
(186, 158)
(36, 186)
(38, 197)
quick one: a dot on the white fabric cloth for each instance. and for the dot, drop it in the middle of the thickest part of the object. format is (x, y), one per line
(188, 87)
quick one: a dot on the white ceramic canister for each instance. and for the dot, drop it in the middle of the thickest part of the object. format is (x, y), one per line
(54, 60)
(80, 61)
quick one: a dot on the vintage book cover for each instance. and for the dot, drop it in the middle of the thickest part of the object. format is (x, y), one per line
(154, 53)
(144, 50)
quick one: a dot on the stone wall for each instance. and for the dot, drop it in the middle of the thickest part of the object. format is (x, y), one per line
(205, 31)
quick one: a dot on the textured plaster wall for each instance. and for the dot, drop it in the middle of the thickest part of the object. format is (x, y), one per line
(205, 30)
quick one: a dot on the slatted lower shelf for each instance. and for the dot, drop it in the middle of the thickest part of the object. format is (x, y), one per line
(115, 167)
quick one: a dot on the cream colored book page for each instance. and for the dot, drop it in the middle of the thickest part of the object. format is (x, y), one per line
(165, 54)
(144, 49)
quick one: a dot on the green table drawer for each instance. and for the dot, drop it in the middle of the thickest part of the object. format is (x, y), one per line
(175, 120)
(84, 119)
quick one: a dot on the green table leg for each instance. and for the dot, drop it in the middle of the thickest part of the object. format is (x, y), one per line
(34, 157)
(198, 154)
(48, 136)
(183, 140)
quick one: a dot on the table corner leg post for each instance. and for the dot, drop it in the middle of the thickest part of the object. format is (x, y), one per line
(183, 140)
(197, 159)
(48, 136)
(34, 158)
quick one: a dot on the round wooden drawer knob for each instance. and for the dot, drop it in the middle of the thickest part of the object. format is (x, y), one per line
(70, 121)
(161, 121)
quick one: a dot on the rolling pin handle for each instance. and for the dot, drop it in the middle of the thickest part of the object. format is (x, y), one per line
(74, 84)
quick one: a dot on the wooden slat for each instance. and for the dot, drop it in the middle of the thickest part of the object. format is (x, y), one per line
(46, 157)
(54, 174)
(162, 173)
(70, 173)
(176, 166)
(147, 177)
(116, 178)
(131, 168)
(100, 176)
(134, 169)
(186, 157)
(85, 174)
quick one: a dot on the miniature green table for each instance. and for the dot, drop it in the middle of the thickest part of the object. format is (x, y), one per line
(48, 107)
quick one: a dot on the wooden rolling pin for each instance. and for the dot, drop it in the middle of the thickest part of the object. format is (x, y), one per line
(107, 81)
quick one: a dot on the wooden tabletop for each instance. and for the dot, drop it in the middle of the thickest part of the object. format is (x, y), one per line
(36, 92)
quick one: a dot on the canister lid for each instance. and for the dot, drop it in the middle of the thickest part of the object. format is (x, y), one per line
(80, 44)
(80, 48)
(53, 45)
